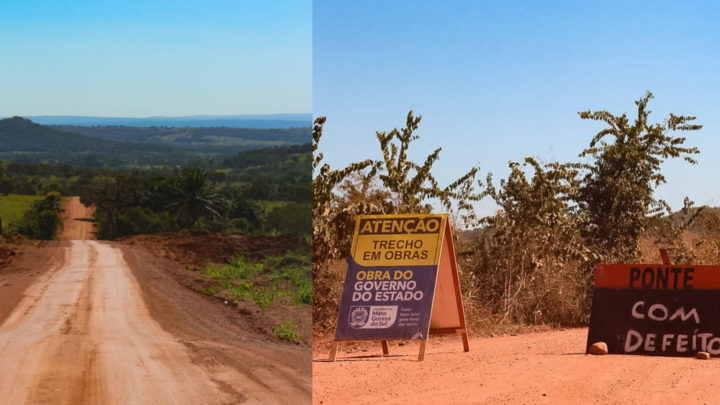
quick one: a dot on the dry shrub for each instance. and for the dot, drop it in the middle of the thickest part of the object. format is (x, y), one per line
(533, 261)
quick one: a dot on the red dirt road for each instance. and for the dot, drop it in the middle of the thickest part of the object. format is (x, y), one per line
(77, 220)
(88, 322)
(534, 368)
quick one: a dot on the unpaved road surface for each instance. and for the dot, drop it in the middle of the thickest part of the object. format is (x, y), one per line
(88, 322)
(534, 368)
(77, 220)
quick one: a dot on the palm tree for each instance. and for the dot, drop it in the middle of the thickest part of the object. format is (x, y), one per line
(194, 196)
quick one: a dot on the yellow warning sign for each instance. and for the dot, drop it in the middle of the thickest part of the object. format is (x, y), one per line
(398, 241)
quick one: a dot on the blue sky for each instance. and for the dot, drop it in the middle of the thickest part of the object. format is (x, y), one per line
(146, 58)
(497, 81)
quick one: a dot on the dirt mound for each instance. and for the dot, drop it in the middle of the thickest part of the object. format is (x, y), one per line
(197, 246)
(264, 299)
(11, 247)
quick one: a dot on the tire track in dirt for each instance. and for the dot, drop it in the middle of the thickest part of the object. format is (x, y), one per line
(220, 338)
(80, 325)
(83, 335)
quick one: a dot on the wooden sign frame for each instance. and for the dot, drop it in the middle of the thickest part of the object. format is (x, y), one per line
(447, 313)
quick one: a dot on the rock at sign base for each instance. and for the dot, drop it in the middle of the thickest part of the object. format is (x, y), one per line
(599, 348)
(703, 355)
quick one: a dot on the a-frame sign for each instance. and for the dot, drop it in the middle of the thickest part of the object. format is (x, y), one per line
(402, 282)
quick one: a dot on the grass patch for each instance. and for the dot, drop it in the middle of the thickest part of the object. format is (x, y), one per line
(286, 278)
(210, 291)
(287, 331)
(14, 206)
(237, 269)
(269, 205)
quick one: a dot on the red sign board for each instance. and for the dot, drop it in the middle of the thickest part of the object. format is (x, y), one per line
(656, 309)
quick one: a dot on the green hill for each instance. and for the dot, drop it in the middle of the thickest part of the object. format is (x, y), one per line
(277, 159)
(208, 139)
(22, 140)
(20, 135)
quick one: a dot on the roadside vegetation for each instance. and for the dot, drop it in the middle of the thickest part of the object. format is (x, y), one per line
(32, 216)
(235, 224)
(287, 331)
(532, 262)
(12, 209)
(130, 204)
(42, 220)
(269, 195)
(284, 279)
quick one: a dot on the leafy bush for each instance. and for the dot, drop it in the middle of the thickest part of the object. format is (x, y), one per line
(531, 264)
(287, 331)
(245, 215)
(137, 220)
(42, 221)
(210, 291)
(13, 208)
(290, 219)
(276, 277)
(617, 190)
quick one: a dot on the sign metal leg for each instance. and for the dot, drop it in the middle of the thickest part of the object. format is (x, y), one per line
(333, 350)
(421, 356)
(385, 348)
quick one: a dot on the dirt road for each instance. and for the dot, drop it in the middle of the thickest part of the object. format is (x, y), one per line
(77, 220)
(535, 368)
(88, 322)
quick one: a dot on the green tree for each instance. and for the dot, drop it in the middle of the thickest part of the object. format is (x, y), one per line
(112, 197)
(290, 219)
(332, 223)
(249, 212)
(617, 192)
(51, 202)
(325, 201)
(194, 196)
(413, 185)
(43, 220)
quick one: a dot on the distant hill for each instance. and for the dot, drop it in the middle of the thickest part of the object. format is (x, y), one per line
(22, 140)
(19, 135)
(293, 160)
(281, 172)
(239, 138)
(270, 156)
(232, 121)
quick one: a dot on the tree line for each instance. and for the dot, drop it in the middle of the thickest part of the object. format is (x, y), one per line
(279, 173)
(259, 191)
(128, 204)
